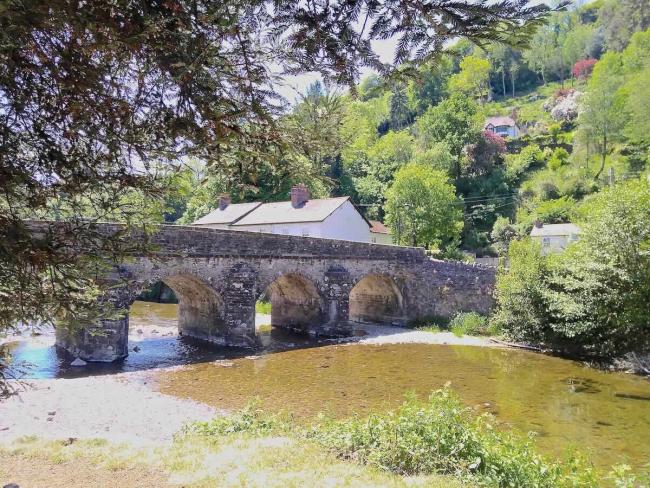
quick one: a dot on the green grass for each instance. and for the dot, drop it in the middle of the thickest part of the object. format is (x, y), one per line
(435, 443)
(228, 460)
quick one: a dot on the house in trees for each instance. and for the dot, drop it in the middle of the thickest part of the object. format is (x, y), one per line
(379, 233)
(503, 126)
(329, 218)
(554, 237)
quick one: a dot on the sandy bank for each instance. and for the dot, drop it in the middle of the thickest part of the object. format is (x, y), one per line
(120, 408)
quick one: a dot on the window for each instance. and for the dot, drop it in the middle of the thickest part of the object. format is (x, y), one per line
(546, 241)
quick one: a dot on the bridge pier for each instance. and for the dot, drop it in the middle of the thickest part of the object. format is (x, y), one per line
(106, 341)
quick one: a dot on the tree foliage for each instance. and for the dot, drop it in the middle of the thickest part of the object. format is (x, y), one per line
(422, 208)
(99, 100)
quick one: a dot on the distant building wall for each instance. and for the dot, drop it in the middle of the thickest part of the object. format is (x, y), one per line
(345, 223)
(379, 238)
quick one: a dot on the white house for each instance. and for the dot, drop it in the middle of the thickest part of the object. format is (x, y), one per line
(379, 233)
(330, 218)
(554, 237)
(503, 126)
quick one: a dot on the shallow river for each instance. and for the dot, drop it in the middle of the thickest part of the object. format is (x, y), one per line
(566, 404)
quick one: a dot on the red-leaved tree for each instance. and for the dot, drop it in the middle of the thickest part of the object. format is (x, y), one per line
(583, 68)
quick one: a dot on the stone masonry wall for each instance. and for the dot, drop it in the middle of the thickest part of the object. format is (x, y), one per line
(218, 276)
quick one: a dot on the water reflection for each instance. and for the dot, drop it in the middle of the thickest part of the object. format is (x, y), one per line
(153, 343)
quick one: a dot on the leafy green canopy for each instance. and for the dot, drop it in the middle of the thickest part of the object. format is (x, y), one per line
(422, 208)
(96, 97)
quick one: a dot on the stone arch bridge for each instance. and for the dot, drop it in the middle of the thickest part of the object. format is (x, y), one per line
(316, 286)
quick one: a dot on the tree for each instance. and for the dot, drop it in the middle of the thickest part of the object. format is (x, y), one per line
(473, 78)
(382, 160)
(400, 115)
(602, 117)
(95, 96)
(622, 18)
(485, 154)
(456, 121)
(636, 68)
(583, 68)
(429, 84)
(422, 208)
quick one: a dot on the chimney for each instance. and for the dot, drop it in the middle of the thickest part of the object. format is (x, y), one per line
(224, 201)
(299, 195)
(538, 224)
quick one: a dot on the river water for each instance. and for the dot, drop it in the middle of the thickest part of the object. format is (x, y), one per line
(566, 404)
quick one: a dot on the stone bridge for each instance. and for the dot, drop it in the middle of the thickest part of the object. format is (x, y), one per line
(316, 286)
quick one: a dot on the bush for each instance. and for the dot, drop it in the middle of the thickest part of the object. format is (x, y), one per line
(470, 323)
(559, 158)
(517, 164)
(251, 419)
(441, 436)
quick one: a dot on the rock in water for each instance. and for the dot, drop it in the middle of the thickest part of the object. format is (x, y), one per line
(78, 362)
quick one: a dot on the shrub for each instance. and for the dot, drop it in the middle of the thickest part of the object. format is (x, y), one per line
(251, 419)
(441, 436)
(583, 68)
(517, 164)
(592, 299)
(559, 158)
(469, 323)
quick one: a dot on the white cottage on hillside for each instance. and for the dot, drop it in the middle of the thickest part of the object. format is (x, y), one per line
(503, 126)
(330, 218)
(554, 237)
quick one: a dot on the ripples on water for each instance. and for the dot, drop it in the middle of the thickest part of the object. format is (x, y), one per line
(565, 403)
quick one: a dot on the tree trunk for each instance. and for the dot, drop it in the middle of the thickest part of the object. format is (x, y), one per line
(503, 81)
(603, 157)
(512, 82)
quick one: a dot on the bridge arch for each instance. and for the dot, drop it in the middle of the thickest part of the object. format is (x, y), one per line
(296, 302)
(376, 298)
(200, 307)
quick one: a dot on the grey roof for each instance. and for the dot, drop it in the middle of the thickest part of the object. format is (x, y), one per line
(228, 215)
(555, 230)
(284, 213)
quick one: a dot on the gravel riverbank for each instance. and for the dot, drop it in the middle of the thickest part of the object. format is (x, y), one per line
(120, 408)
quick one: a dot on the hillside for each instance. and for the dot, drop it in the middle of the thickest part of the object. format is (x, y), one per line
(590, 59)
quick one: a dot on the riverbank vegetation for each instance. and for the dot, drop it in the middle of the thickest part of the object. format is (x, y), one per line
(593, 298)
(432, 443)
